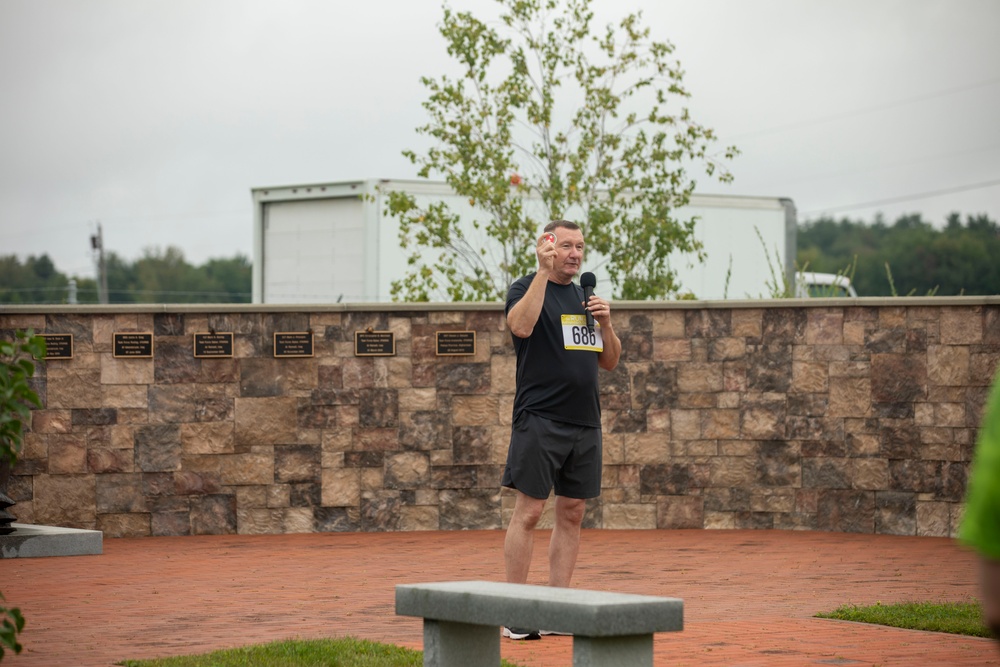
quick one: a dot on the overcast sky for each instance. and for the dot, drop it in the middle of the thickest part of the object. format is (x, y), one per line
(157, 117)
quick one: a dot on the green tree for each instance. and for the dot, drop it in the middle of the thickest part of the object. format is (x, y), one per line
(921, 258)
(17, 366)
(232, 276)
(35, 281)
(549, 120)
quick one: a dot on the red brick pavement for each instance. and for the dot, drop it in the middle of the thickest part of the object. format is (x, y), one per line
(749, 596)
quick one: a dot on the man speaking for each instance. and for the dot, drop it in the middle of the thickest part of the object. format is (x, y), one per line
(560, 339)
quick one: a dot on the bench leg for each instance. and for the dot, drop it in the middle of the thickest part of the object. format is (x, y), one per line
(627, 651)
(448, 644)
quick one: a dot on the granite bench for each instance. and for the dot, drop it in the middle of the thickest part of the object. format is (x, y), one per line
(462, 621)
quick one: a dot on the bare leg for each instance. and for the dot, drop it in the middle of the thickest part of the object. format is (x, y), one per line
(565, 542)
(520, 540)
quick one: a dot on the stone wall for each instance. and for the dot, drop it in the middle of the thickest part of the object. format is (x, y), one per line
(781, 414)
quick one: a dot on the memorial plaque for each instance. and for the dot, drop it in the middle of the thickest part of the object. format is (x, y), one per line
(456, 343)
(374, 344)
(213, 345)
(58, 346)
(289, 344)
(133, 344)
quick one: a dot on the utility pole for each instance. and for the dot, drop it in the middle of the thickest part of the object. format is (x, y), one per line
(97, 243)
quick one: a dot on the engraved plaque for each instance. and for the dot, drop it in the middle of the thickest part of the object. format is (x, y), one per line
(133, 344)
(213, 345)
(58, 346)
(374, 344)
(455, 343)
(289, 344)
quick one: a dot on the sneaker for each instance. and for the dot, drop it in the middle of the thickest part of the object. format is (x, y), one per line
(555, 632)
(520, 633)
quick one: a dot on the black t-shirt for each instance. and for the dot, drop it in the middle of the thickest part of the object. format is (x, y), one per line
(552, 381)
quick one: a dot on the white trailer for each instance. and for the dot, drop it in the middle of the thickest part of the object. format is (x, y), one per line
(332, 242)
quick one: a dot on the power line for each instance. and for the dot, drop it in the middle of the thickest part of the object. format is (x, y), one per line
(865, 110)
(895, 200)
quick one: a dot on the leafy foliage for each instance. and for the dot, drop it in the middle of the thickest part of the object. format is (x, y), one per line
(16, 395)
(550, 120)
(16, 399)
(12, 624)
(159, 276)
(909, 257)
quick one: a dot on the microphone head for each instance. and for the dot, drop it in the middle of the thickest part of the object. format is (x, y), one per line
(588, 279)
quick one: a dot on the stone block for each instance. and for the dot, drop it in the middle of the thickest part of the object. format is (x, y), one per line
(846, 511)
(341, 487)
(51, 421)
(933, 519)
(727, 471)
(78, 389)
(104, 460)
(809, 377)
(895, 513)
(778, 465)
(462, 378)
(265, 421)
(850, 397)
(213, 515)
(65, 500)
(948, 365)
(769, 367)
(673, 479)
(124, 525)
(425, 430)
(870, 474)
(256, 467)
(121, 370)
(961, 326)
(182, 403)
(420, 518)
(191, 483)
(67, 454)
(158, 447)
(629, 516)
(120, 493)
(679, 512)
(407, 470)
(296, 463)
(470, 410)
(472, 444)
(378, 408)
(207, 438)
(469, 509)
(762, 420)
(898, 378)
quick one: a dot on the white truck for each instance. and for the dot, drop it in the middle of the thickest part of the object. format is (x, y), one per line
(333, 242)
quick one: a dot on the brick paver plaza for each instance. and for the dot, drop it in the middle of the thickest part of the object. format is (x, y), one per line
(749, 596)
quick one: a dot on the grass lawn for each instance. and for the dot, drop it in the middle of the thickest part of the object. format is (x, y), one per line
(346, 652)
(957, 618)
(960, 618)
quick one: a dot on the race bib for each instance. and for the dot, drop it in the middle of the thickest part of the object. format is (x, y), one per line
(578, 336)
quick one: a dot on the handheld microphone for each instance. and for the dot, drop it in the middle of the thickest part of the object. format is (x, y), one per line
(588, 281)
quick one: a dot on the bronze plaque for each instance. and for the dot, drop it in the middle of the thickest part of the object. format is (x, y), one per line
(133, 344)
(374, 344)
(289, 344)
(456, 343)
(213, 345)
(58, 346)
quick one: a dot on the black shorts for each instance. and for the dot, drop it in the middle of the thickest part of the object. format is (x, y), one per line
(546, 454)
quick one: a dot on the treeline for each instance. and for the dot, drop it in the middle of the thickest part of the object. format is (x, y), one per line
(159, 276)
(908, 258)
